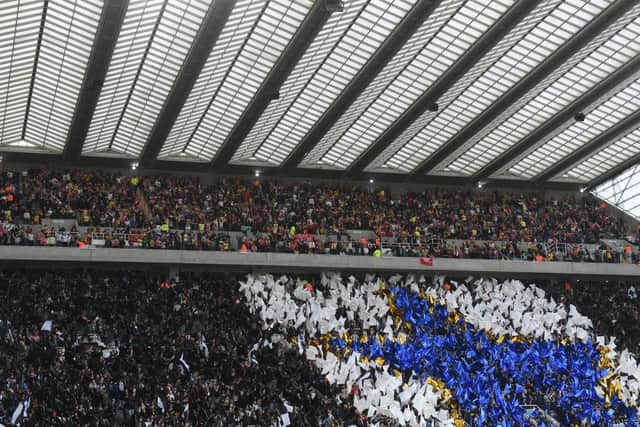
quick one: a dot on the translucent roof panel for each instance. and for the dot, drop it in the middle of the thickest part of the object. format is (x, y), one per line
(623, 191)
(577, 134)
(602, 56)
(393, 68)
(605, 159)
(153, 44)
(39, 93)
(533, 40)
(19, 27)
(128, 55)
(230, 92)
(238, 26)
(447, 45)
(69, 31)
(343, 46)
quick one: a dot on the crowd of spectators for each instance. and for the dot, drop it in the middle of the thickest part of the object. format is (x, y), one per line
(548, 337)
(123, 348)
(28, 235)
(613, 306)
(180, 212)
(325, 209)
(90, 197)
(115, 349)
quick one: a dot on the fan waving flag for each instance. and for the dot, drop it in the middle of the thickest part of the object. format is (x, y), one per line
(479, 352)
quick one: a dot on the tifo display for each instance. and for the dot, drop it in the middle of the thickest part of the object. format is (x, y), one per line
(483, 350)
(104, 348)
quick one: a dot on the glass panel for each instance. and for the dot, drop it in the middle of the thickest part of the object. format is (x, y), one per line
(533, 40)
(137, 85)
(444, 37)
(574, 134)
(249, 46)
(19, 28)
(67, 39)
(607, 52)
(605, 159)
(623, 191)
(343, 46)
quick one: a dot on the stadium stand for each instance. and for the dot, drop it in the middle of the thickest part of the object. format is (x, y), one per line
(124, 348)
(169, 212)
(89, 348)
(371, 213)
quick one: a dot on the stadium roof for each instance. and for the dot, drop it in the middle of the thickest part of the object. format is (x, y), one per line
(455, 91)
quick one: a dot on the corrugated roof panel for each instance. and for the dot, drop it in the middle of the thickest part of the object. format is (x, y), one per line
(577, 134)
(154, 41)
(455, 35)
(532, 41)
(230, 92)
(607, 52)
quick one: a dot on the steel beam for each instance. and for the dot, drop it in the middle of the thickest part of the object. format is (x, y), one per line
(109, 27)
(483, 45)
(384, 54)
(317, 17)
(577, 42)
(203, 44)
(22, 159)
(610, 84)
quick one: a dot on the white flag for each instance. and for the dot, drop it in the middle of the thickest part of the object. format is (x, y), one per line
(183, 362)
(284, 420)
(27, 404)
(17, 412)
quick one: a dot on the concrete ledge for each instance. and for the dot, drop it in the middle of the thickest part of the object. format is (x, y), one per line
(159, 260)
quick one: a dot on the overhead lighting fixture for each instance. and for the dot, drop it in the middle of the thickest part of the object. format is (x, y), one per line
(370, 180)
(134, 165)
(582, 189)
(257, 174)
(479, 185)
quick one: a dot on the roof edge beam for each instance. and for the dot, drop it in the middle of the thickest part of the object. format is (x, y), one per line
(109, 27)
(601, 89)
(315, 20)
(401, 34)
(204, 42)
(577, 42)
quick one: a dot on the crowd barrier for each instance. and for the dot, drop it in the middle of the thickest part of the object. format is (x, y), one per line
(446, 248)
(285, 262)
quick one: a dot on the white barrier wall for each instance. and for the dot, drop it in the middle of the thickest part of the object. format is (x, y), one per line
(52, 257)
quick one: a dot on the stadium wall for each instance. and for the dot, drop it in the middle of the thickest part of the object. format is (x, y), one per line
(176, 260)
